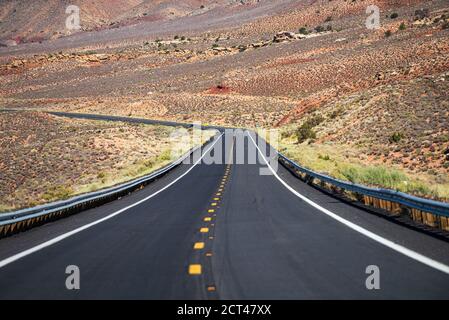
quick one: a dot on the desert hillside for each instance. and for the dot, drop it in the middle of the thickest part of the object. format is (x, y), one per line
(311, 69)
(36, 21)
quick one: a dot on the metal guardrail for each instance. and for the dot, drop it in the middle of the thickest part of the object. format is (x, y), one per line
(425, 205)
(26, 218)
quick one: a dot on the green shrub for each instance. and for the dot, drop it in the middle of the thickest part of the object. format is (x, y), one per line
(305, 132)
(402, 26)
(396, 137)
(316, 120)
(101, 175)
(319, 29)
(303, 30)
(338, 112)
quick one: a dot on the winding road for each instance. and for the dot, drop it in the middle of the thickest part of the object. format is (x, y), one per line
(224, 231)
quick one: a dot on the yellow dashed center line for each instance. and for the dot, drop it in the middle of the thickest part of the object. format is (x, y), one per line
(198, 245)
(195, 269)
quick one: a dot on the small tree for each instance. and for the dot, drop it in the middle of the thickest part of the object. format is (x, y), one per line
(305, 132)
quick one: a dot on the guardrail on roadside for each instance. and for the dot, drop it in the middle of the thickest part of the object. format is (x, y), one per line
(431, 213)
(21, 220)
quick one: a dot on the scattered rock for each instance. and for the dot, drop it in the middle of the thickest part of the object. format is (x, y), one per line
(221, 49)
(8, 43)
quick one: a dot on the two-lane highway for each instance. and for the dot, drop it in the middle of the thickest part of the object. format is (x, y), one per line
(209, 231)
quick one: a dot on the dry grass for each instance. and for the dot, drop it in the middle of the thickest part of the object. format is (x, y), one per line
(343, 163)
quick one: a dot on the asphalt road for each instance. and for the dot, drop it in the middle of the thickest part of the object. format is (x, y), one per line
(261, 241)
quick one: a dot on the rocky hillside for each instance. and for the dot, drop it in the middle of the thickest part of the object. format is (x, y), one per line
(38, 20)
(311, 68)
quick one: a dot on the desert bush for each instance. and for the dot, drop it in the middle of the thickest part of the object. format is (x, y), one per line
(421, 14)
(303, 30)
(338, 112)
(326, 157)
(316, 120)
(396, 137)
(388, 33)
(394, 15)
(402, 26)
(305, 132)
(319, 29)
(101, 175)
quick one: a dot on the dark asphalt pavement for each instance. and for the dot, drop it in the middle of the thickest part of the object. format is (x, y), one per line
(261, 242)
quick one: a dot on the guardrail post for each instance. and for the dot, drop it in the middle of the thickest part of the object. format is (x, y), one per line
(396, 203)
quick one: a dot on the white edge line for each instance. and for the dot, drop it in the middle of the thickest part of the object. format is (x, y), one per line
(112, 215)
(388, 243)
